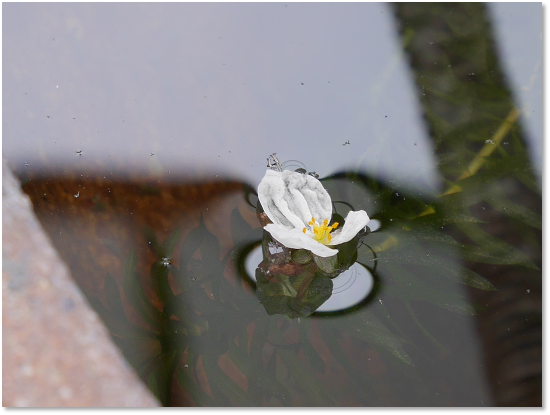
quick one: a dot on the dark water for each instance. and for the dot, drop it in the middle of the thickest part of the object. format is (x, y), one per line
(150, 197)
(395, 348)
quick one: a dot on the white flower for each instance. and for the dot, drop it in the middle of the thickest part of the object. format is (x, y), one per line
(300, 209)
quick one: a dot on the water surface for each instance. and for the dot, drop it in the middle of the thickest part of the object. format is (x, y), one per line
(141, 131)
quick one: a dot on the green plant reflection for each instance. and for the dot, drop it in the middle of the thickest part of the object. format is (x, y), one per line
(436, 262)
(202, 315)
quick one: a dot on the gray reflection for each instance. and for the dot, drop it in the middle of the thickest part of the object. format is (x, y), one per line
(518, 38)
(183, 88)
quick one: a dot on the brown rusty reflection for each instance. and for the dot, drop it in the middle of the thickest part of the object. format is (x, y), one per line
(95, 224)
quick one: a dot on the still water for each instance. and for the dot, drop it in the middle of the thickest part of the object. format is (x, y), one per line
(141, 133)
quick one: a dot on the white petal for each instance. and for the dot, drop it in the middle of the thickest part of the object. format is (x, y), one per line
(355, 221)
(310, 197)
(292, 199)
(271, 193)
(297, 239)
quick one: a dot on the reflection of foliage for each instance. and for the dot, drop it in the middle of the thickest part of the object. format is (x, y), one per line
(205, 318)
(425, 250)
(477, 135)
(211, 317)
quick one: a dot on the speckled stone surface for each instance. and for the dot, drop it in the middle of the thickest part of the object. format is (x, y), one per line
(56, 351)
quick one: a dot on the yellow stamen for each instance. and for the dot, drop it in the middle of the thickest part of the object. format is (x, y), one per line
(321, 233)
(304, 230)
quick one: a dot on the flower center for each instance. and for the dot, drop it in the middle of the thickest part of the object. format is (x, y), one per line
(321, 233)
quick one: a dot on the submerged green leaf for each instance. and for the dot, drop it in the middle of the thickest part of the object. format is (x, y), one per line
(409, 286)
(200, 397)
(364, 325)
(362, 384)
(160, 378)
(112, 295)
(117, 324)
(312, 356)
(257, 376)
(292, 295)
(134, 292)
(191, 243)
(517, 212)
(472, 279)
(225, 384)
(492, 250)
(240, 229)
(169, 244)
(301, 373)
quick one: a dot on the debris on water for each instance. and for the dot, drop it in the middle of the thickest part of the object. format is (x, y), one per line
(78, 194)
(489, 141)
